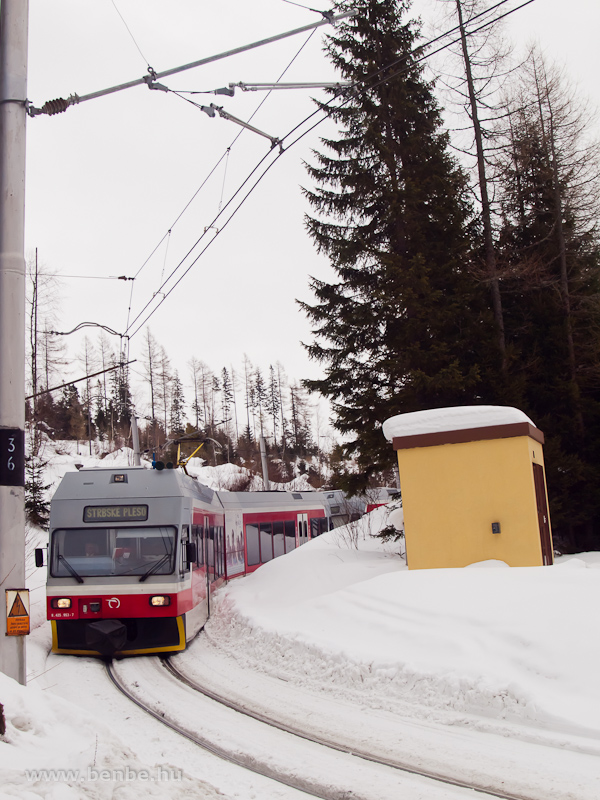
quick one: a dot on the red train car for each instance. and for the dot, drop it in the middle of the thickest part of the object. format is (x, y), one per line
(135, 554)
(261, 526)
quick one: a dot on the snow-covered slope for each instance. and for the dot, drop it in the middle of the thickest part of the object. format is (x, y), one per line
(508, 643)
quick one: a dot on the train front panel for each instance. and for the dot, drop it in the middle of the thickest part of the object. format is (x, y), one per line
(124, 573)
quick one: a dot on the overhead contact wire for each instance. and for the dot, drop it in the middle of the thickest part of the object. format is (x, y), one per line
(181, 213)
(222, 228)
(316, 10)
(209, 227)
(225, 155)
(131, 34)
(322, 109)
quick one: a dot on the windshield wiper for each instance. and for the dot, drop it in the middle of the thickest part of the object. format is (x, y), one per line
(156, 566)
(77, 577)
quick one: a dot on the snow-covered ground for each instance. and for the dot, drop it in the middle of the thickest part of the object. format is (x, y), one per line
(519, 644)
(480, 671)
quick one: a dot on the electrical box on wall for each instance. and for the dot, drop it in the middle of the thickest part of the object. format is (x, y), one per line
(495, 527)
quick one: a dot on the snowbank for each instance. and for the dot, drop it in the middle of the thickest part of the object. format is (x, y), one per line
(228, 477)
(507, 643)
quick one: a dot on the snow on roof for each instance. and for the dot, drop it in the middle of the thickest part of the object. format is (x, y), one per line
(436, 420)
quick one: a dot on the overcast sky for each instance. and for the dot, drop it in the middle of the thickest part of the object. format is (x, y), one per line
(107, 180)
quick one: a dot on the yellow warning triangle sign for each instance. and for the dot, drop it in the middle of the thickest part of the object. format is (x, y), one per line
(18, 609)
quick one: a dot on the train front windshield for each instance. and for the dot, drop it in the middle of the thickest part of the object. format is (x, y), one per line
(102, 552)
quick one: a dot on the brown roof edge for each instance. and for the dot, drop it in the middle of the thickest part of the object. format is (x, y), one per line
(469, 435)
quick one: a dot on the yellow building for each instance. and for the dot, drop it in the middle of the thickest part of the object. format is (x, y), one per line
(473, 487)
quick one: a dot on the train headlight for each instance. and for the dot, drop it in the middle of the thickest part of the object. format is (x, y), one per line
(61, 602)
(160, 600)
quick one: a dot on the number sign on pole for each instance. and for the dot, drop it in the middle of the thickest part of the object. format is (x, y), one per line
(12, 457)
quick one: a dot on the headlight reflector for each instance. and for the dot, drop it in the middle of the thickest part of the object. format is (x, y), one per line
(160, 600)
(61, 602)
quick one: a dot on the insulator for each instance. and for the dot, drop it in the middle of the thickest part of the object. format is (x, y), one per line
(52, 107)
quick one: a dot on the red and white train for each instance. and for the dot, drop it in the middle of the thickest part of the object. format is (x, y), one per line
(135, 554)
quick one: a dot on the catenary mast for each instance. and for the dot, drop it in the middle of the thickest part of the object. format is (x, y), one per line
(13, 114)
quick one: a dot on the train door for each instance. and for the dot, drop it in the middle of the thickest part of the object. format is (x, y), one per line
(196, 617)
(185, 568)
(234, 544)
(206, 543)
(302, 520)
(542, 512)
(219, 545)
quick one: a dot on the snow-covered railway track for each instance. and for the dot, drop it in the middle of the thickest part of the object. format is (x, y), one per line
(495, 754)
(481, 791)
(202, 741)
(281, 753)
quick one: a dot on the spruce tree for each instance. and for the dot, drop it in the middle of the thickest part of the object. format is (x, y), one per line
(226, 399)
(71, 423)
(404, 327)
(177, 407)
(273, 400)
(37, 504)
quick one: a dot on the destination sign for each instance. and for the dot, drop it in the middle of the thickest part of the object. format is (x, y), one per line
(115, 513)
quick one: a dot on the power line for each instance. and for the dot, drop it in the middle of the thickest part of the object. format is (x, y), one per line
(226, 156)
(168, 233)
(91, 277)
(211, 226)
(79, 380)
(292, 3)
(131, 34)
(323, 109)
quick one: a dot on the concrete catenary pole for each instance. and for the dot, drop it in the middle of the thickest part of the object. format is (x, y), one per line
(265, 466)
(13, 115)
(135, 435)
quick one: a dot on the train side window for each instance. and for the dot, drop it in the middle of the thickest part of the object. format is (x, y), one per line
(185, 533)
(266, 541)
(201, 544)
(278, 539)
(302, 530)
(214, 535)
(222, 537)
(210, 548)
(219, 562)
(252, 545)
(197, 535)
(290, 535)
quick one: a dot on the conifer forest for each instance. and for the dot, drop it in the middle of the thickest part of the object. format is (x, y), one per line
(458, 206)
